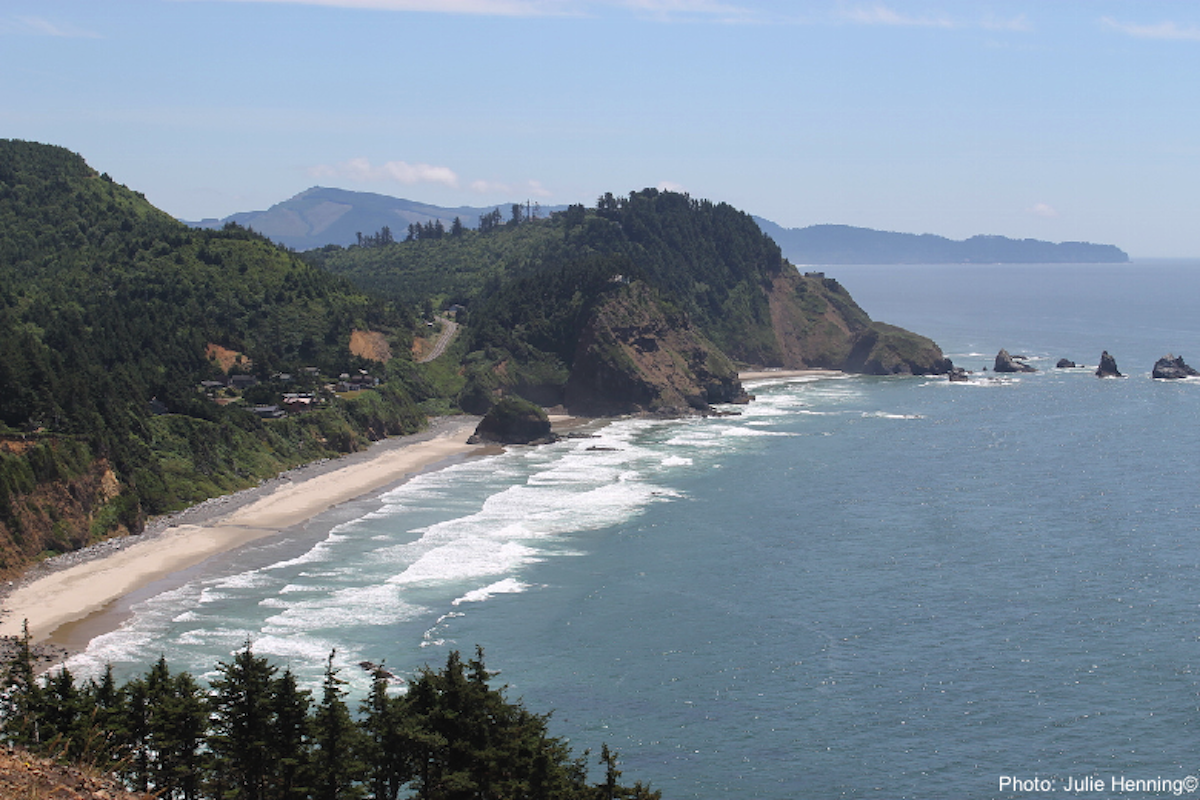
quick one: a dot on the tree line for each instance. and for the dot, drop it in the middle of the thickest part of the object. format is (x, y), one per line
(255, 734)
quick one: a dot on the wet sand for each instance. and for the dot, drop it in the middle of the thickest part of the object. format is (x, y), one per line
(81, 584)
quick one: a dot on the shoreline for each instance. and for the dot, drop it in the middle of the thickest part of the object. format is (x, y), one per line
(767, 374)
(78, 588)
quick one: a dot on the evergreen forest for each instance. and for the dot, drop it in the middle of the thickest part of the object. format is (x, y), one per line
(255, 734)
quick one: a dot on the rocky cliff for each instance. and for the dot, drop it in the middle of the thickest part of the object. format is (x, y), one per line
(636, 354)
(53, 510)
(817, 324)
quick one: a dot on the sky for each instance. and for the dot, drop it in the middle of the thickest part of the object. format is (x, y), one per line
(1066, 121)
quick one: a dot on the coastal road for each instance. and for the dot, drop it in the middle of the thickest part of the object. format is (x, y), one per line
(449, 331)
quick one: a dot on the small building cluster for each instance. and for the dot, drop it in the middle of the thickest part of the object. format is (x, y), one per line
(304, 392)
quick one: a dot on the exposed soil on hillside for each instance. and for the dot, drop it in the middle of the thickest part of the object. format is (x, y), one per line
(371, 345)
(225, 358)
(26, 776)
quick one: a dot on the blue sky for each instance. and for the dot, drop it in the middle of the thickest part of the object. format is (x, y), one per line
(1053, 120)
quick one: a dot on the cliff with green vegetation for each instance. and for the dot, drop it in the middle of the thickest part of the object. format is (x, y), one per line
(533, 289)
(146, 366)
(636, 353)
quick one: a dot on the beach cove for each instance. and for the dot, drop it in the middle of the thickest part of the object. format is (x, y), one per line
(84, 583)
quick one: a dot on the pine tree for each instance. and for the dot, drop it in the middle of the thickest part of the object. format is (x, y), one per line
(22, 697)
(336, 739)
(243, 725)
(292, 741)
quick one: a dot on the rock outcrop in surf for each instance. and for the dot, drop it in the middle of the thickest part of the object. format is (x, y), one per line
(1171, 367)
(1010, 363)
(513, 420)
(1108, 367)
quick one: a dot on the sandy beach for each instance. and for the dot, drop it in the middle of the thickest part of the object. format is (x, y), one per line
(56, 595)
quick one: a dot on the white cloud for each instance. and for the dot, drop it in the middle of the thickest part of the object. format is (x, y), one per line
(493, 8)
(1043, 210)
(658, 9)
(668, 9)
(879, 14)
(39, 26)
(361, 170)
(671, 186)
(1163, 30)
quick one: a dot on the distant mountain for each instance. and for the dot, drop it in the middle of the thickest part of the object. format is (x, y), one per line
(320, 216)
(843, 244)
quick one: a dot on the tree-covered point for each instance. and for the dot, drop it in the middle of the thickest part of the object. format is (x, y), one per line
(526, 282)
(107, 310)
(255, 734)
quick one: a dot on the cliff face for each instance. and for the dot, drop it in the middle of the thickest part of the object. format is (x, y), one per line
(818, 325)
(637, 355)
(58, 515)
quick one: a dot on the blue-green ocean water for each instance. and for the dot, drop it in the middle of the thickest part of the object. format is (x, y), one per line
(860, 587)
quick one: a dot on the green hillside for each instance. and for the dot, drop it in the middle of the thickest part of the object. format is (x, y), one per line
(531, 289)
(111, 316)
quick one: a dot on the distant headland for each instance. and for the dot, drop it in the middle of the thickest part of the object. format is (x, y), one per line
(845, 244)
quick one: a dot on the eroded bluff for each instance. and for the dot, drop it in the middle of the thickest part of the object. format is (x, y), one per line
(637, 355)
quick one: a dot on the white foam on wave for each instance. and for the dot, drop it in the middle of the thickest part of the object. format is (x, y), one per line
(369, 605)
(889, 415)
(506, 586)
(493, 517)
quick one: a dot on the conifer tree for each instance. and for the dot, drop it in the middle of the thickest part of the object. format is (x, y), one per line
(243, 725)
(385, 740)
(292, 740)
(336, 741)
(22, 698)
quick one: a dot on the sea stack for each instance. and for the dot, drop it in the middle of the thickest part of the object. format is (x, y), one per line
(1171, 367)
(1007, 363)
(513, 420)
(1065, 363)
(1108, 367)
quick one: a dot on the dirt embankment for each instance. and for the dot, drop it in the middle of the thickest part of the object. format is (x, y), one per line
(56, 517)
(25, 775)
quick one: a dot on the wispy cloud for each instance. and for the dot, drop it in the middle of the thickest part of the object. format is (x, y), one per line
(1161, 30)
(362, 171)
(677, 9)
(40, 26)
(657, 9)
(490, 8)
(1043, 210)
(884, 15)
(671, 186)
(880, 14)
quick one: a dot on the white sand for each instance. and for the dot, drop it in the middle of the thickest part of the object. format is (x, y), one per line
(74, 593)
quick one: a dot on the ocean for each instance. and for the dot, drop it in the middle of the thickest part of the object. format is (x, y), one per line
(859, 587)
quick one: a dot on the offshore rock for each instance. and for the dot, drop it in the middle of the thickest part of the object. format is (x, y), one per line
(1108, 367)
(1065, 363)
(1171, 367)
(513, 420)
(958, 375)
(1007, 363)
